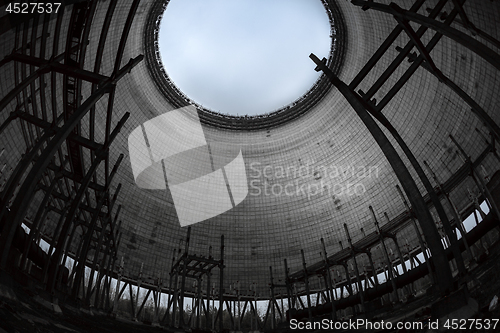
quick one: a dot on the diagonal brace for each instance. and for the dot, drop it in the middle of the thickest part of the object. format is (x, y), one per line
(416, 41)
(475, 46)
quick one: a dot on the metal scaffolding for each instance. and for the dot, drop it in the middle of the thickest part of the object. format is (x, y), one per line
(53, 164)
(71, 173)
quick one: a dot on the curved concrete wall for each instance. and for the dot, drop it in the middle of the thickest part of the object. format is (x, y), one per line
(307, 166)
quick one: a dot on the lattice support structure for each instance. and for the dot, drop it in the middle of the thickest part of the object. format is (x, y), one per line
(56, 147)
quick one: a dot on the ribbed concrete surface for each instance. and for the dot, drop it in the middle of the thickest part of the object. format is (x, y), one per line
(265, 229)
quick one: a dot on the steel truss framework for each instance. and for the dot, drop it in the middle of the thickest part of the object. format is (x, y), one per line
(369, 110)
(55, 166)
(258, 122)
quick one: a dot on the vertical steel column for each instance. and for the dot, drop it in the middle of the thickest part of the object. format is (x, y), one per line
(175, 298)
(425, 181)
(231, 306)
(39, 218)
(239, 304)
(370, 259)
(18, 209)
(435, 199)
(69, 242)
(326, 293)
(90, 230)
(474, 200)
(170, 295)
(101, 280)
(198, 301)
(104, 226)
(49, 262)
(291, 303)
(273, 314)
(132, 302)
(400, 254)
(212, 316)
(111, 253)
(255, 307)
(356, 270)
(386, 257)
(482, 185)
(492, 145)
(419, 236)
(472, 44)
(157, 300)
(183, 279)
(20, 204)
(221, 284)
(282, 308)
(456, 215)
(209, 274)
(421, 174)
(16, 176)
(471, 27)
(62, 240)
(4, 102)
(443, 272)
(348, 278)
(136, 301)
(334, 285)
(306, 281)
(117, 292)
(329, 280)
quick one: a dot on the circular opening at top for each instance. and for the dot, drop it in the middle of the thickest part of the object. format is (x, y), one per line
(245, 57)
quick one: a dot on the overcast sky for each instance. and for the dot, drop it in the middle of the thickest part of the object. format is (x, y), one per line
(243, 56)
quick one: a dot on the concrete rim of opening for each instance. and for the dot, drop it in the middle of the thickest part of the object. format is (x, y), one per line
(258, 122)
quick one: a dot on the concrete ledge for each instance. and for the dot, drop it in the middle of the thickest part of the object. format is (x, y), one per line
(52, 306)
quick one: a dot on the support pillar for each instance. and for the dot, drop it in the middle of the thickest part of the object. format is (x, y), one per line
(306, 281)
(370, 259)
(386, 257)
(221, 284)
(482, 185)
(209, 294)
(443, 272)
(356, 270)
(198, 302)
(100, 239)
(117, 291)
(273, 313)
(472, 44)
(419, 237)
(328, 277)
(183, 279)
(291, 302)
(136, 301)
(90, 230)
(458, 220)
(22, 201)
